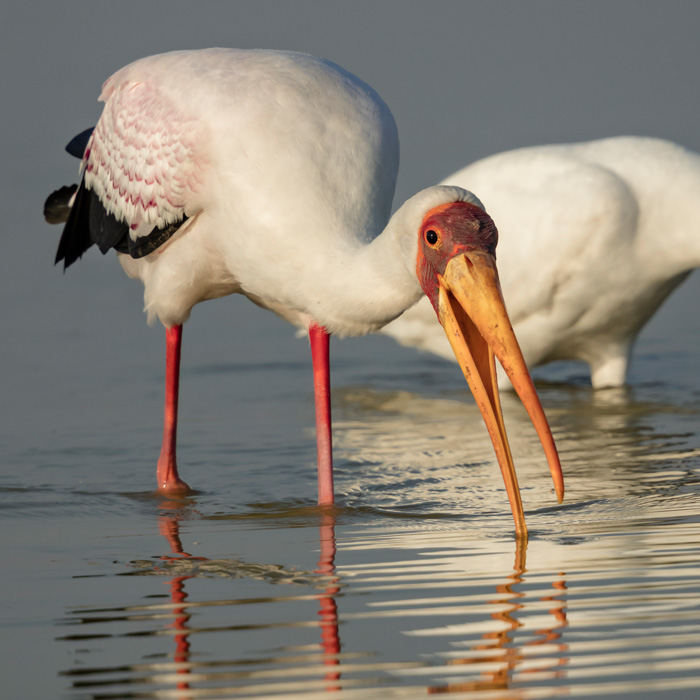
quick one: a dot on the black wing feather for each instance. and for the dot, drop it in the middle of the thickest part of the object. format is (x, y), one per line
(75, 239)
(88, 222)
(77, 145)
(147, 244)
(105, 230)
(57, 205)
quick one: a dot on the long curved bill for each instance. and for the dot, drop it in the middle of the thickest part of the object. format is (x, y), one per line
(473, 315)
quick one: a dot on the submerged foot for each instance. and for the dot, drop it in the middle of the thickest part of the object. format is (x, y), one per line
(174, 487)
(169, 481)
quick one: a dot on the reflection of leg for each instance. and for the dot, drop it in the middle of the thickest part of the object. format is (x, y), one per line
(169, 527)
(329, 632)
(167, 476)
(319, 338)
(182, 643)
(328, 612)
(326, 562)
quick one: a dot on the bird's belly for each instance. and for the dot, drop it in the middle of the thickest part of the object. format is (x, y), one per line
(297, 318)
(178, 278)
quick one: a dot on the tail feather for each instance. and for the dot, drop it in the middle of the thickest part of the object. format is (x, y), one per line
(57, 206)
(75, 239)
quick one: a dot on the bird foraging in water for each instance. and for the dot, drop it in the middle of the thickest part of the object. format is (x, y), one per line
(594, 237)
(271, 174)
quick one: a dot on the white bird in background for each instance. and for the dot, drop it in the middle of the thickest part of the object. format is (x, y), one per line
(271, 174)
(593, 237)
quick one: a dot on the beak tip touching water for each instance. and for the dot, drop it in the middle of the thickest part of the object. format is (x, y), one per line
(473, 315)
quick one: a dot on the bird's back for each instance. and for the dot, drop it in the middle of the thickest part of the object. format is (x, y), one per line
(271, 158)
(592, 238)
(279, 118)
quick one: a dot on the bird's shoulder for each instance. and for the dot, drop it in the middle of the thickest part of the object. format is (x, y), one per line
(146, 160)
(552, 200)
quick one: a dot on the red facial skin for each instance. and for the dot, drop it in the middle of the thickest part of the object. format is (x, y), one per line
(460, 227)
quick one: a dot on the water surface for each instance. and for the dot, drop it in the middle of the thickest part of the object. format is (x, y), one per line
(413, 585)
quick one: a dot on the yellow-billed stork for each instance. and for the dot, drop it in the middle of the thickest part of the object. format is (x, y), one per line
(271, 174)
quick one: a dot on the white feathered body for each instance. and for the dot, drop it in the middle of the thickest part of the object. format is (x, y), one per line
(592, 239)
(285, 166)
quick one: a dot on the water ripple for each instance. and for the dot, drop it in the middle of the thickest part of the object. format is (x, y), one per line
(402, 614)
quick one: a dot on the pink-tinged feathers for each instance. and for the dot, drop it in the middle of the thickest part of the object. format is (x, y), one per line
(145, 159)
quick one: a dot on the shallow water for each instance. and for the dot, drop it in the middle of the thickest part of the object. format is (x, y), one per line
(413, 585)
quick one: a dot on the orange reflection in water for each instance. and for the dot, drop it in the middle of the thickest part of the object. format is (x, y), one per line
(503, 639)
(509, 601)
(169, 527)
(328, 613)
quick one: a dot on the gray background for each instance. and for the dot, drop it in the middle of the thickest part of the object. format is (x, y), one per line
(81, 374)
(464, 80)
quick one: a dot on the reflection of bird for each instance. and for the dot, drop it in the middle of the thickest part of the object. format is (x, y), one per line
(594, 236)
(271, 174)
(507, 654)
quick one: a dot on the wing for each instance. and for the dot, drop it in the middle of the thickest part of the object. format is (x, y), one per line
(142, 167)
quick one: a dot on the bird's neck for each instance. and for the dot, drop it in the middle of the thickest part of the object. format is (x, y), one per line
(364, 286)
(368, 285)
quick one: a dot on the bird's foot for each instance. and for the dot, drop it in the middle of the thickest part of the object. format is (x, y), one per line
(169, 481)
(174, 487)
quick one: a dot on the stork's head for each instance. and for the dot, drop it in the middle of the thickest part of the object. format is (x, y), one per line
(456, 267)
(448, 231)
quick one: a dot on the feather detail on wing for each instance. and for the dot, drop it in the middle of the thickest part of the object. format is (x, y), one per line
(142, 168)
(144, 160)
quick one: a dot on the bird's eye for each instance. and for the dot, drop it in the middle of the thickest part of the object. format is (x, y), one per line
(431, 237)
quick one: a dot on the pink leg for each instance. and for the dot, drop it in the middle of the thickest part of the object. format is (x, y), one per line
(167, 476)
(322, 394)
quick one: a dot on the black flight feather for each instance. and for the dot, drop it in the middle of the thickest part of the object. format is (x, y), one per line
(144, 245)
(75, 239)
(77, 145)
(87, 222)
(57, 207)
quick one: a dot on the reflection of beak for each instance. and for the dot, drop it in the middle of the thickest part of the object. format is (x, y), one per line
(472, 312)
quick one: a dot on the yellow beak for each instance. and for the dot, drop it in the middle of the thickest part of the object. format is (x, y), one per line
(473, 315)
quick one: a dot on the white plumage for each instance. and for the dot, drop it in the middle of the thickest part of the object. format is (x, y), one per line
(309, 206)
(592, 238)
(271, 174)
